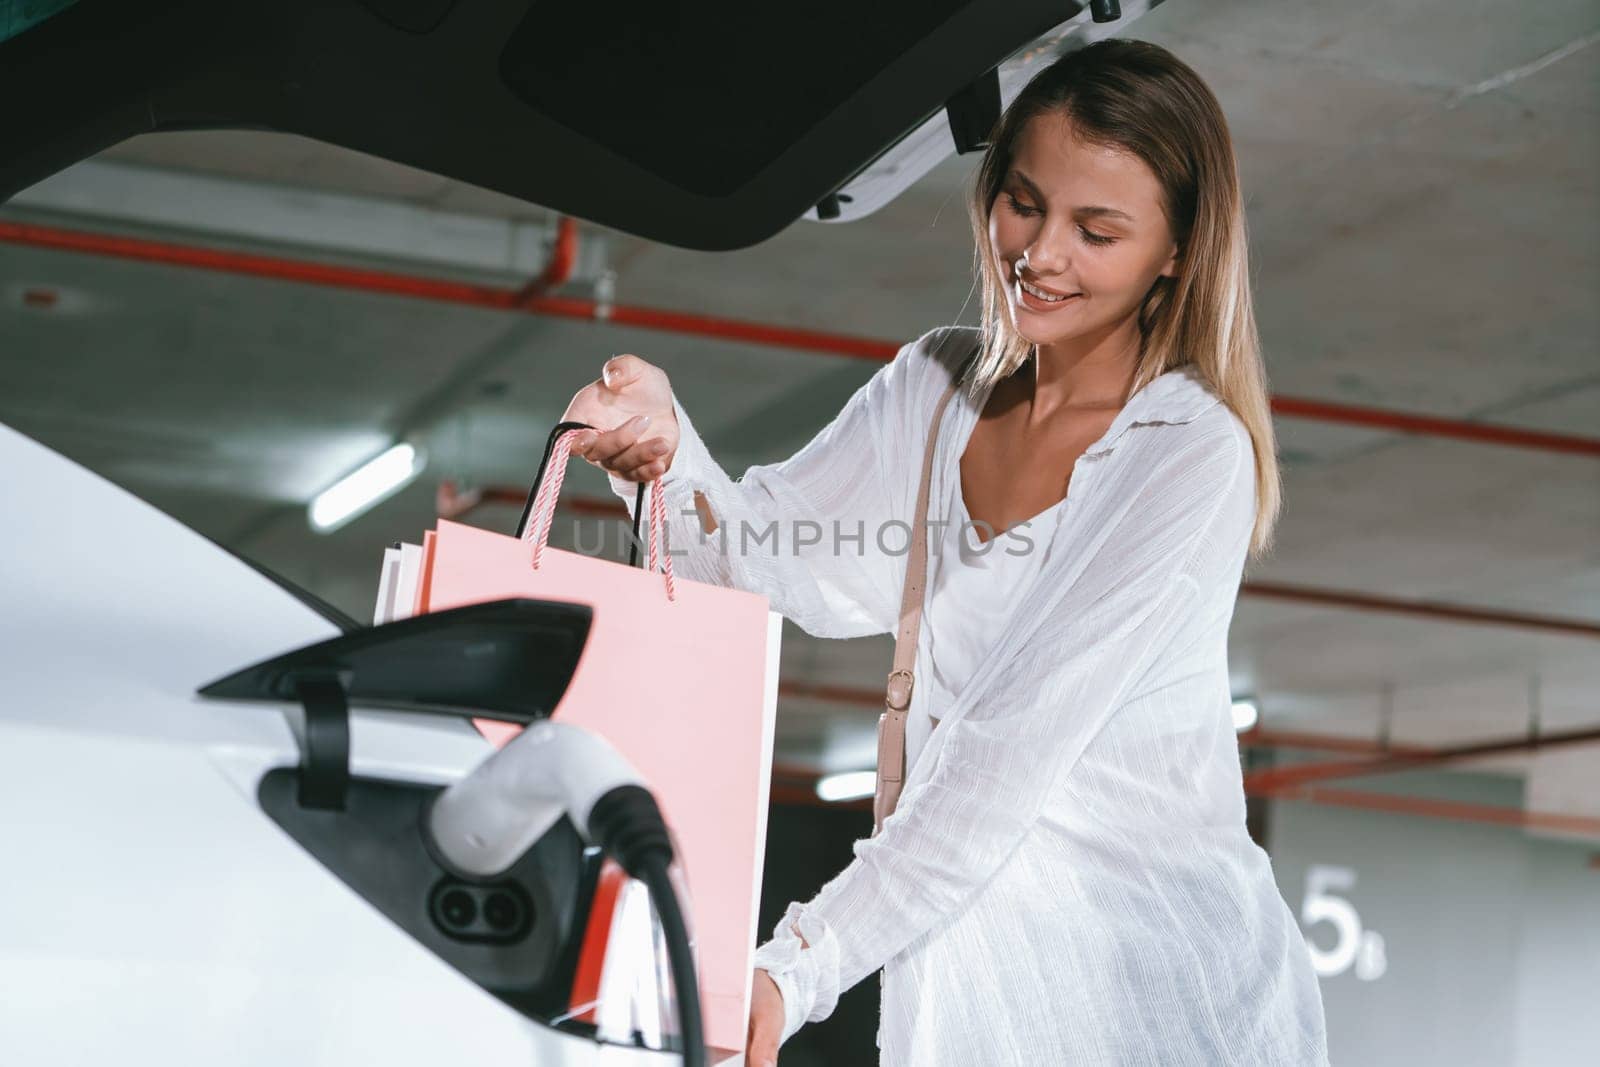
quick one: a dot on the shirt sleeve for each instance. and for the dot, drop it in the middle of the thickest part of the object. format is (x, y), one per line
(813, 533)
(952, 830)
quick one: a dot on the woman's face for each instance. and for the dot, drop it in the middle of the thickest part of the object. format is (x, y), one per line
(1084, 223)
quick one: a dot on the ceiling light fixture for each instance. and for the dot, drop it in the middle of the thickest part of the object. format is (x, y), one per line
(851, 785)
(1245, 715)
(362, 489)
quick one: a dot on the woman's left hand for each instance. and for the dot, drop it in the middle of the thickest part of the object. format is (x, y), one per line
(766, 1022)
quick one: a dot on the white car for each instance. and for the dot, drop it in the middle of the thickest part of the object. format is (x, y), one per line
(170, 896)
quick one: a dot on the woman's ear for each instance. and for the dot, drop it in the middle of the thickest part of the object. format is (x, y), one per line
(1170, 268)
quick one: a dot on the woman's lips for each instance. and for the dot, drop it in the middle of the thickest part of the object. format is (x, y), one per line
(1037, 304)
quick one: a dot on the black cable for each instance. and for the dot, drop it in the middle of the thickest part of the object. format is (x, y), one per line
(659, 882)
(627, 823)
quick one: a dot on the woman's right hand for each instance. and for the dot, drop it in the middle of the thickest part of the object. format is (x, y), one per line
(630, 405)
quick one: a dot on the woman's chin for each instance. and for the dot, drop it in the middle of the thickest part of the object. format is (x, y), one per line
(1030, 328)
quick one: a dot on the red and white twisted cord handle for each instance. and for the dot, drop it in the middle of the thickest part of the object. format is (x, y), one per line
(544, 512)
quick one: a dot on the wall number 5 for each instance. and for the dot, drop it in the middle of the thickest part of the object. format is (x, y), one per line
(1351, 945)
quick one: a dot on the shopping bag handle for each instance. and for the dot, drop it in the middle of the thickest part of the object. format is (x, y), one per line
(539, 512)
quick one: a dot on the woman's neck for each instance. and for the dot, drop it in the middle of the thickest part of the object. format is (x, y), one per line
(1091, 371)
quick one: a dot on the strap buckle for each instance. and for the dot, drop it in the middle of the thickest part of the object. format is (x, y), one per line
(898, 689)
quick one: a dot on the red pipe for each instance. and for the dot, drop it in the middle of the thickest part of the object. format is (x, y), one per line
(1445, 809)
(169, 254)
(1256, 737)
(530, 299)
(165, 253)
(797, 785)
(1276, 779)
(1421, 608)
(563, 256)
(1433, 426)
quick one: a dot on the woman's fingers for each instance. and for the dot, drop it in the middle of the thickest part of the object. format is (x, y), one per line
(625, 452)
(646, 452)
(605, 446)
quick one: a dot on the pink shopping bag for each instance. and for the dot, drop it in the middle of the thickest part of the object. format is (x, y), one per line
(681, 678)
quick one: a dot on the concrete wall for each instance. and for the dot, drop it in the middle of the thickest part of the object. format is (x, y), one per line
(1490, 937)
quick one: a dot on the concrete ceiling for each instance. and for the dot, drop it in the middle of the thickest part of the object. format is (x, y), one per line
(1422, 191)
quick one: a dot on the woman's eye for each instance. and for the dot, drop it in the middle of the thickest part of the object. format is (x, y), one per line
(1019, 207)
(1096, 238)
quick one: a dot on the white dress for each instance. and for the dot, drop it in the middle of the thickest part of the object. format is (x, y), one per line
(973, 587)
(1067, 877)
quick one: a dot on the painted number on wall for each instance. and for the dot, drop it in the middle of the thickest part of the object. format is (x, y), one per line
(1352, 946)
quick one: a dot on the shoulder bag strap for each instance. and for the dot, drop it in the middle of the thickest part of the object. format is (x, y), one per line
(892, 723)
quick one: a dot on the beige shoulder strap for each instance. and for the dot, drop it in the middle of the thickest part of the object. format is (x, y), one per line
(892, 723)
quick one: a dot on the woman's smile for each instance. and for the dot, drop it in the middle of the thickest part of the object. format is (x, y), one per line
(1038, 300)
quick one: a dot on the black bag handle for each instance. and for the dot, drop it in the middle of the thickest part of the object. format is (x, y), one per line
(538, 480)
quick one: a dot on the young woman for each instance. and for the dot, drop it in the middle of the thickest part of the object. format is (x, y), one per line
(1067, 877)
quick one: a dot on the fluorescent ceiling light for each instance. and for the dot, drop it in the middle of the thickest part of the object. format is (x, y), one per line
(851, 785)
(360, 490)
(1244, 715)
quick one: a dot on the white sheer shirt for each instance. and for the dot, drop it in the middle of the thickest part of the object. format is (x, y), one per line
(1067, 877)
(973, 586)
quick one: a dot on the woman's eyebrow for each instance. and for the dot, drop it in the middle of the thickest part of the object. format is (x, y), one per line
(1090, 212)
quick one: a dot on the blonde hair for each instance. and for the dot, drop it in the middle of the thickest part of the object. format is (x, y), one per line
(1141, 98)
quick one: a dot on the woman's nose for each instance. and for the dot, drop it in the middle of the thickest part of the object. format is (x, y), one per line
(1048, 253)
